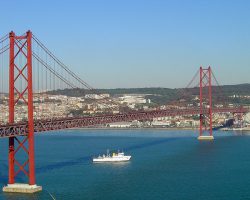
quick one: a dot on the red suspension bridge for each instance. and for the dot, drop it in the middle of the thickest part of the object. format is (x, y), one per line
(33, 72)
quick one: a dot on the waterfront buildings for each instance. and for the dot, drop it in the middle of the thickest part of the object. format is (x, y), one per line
(56, 106)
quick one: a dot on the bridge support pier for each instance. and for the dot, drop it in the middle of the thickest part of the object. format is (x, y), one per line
(21, 188)
(206, 137)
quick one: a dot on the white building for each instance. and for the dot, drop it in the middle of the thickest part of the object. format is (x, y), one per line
(97, 96)
(132, 99)
(120, 125)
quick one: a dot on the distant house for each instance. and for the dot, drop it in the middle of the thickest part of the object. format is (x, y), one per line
(120, 125)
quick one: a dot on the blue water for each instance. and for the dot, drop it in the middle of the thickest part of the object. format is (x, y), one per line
(164, 165)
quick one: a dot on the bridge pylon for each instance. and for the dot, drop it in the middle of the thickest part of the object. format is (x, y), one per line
(21, 72)
(206, 123)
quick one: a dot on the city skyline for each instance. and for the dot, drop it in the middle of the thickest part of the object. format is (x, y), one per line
(140, 43)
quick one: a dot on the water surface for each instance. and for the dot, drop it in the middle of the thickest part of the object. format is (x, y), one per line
(164, 165)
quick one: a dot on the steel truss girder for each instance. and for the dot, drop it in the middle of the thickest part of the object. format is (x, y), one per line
(21, 129)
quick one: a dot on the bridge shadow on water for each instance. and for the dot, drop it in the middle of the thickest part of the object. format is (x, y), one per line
(4, 176)
(80, 160)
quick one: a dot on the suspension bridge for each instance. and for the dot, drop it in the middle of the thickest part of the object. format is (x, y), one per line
(30, 71)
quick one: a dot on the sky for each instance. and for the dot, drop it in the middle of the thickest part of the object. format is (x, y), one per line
(139, 43)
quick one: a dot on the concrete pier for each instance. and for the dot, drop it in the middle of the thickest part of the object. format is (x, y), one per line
(22, 188)
(206, 137)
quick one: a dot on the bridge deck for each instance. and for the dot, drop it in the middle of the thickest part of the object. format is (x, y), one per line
(19, 129)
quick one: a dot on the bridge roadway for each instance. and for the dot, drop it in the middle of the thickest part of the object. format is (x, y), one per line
(20, 129)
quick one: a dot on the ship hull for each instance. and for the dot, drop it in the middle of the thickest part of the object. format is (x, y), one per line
(111, 159)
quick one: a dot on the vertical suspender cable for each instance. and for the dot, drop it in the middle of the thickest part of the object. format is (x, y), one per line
(38, 83)
(46, 86)
(2, 71)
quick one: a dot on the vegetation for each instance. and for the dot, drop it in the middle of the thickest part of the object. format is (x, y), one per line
(164, 95)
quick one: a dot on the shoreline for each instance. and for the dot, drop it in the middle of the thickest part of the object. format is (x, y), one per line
(151, 128)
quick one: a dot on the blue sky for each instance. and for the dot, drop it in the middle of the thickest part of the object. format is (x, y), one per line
(139, 43)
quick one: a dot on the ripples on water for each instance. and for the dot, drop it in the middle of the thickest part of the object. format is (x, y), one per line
(164, 165)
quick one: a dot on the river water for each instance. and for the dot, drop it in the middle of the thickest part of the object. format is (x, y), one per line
(165, 165)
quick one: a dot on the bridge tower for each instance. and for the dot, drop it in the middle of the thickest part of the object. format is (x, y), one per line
(21, 72)
(206, 104)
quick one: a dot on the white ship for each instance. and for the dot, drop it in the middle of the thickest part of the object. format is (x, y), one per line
(115, 157)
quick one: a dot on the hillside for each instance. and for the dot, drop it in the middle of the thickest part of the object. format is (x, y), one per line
(164, 95)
